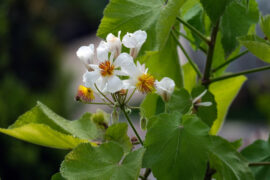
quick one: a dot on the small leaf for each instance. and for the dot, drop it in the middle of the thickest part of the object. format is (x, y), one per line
(257, 46)
(106, 162)
(237, 20)
(57, 176)
(176, 146)
(118, 133)
(259, 151)
(208, 114)
(265, 25)
(224, 91)
(237, 143)
(180, 101)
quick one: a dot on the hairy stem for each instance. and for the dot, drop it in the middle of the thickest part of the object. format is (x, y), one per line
(259, 164)
(238, 74)
(187, 56)
(230, 60)
(210, 53)
(131, 124)
(104, 95)
(194, 30)
(146, 174)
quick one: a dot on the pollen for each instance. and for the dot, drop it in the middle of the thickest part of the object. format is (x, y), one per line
(106, 68)
(85, 94)
(145, 83)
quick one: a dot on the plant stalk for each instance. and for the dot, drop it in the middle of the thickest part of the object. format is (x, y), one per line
(194, 30)
(187, 56)
(238, 74)
(210, 53)
(131, 124)
(230, 60)
(259, 164)
(146, 174)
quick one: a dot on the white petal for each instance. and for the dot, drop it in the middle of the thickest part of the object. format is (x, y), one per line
(89, 78)
(114, 84)
(140, 36)
(102, 51)
(130, 41)
(204, 104)
(125, 61)
(199, 97)
(86, 54)
(166, 84)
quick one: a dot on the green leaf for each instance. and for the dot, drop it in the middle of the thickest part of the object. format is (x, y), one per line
(57, 176)
(176, 147)
(189, 77)
(237, 143)
(106, 162)
(152, 105)
(154, 16)
(164, 63)
(228, 163)
(259, 151)
(259, 47)
(265, 25)
(237, 20)
(224, 91)
(214, 8)
(118, 133)
(180, 101)
(208, 114)
(42, 126)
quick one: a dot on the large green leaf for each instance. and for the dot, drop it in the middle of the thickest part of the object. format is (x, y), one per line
(259, 151)
(118, 133)
(154, 16)
(57, 176)
(259, 47)
(214, 8)
(224, 91)
(238, 18)
(176, 147)
(165, 63)
(228, 163)
(152, 105)
(42, 126)
(180, 101)
(265, 25)
(106, 162)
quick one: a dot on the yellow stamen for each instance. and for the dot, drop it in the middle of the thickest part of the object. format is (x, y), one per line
(85, 94)
(106, 68)
(145, 83)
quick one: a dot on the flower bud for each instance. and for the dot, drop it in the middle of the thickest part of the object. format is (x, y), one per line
(165, 88)
(114, 43)
(114, 116)
(86, 55)
(84, 94)
(101, 118)
(143, 123)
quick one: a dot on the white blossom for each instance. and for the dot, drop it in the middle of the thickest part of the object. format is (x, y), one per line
(86, 54)
(134, 41)
(165, 88)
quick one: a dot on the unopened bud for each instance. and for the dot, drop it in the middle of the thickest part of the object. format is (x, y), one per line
(84, 94)
(128, 110)
(143, 123)
(114, 116)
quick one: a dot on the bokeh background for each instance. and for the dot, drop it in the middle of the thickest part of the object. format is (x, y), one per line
(38, 41)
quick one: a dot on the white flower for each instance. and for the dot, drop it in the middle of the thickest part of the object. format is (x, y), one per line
(114, 44)
(139, 78)
(106, 72)
(165, 88)
(134, 41)
(197, 101)
(86, 54)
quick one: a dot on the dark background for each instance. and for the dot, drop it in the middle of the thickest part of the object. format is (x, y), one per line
(33, 34)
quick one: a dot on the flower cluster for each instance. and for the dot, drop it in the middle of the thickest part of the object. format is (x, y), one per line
(111, 71)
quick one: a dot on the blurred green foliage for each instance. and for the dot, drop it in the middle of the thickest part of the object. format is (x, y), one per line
(32, 33)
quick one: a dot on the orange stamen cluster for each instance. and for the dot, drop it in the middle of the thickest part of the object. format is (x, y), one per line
(145, 83)
(106, 68)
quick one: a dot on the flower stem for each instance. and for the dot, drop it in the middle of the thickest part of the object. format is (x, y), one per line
(99, 103)
(230, 60)
(104, 95)
(259, 164)
(194, 30)
(187, 56)
(238, 74)
(131, 124)
(210, 53)
(146, 174)
(130, 96)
